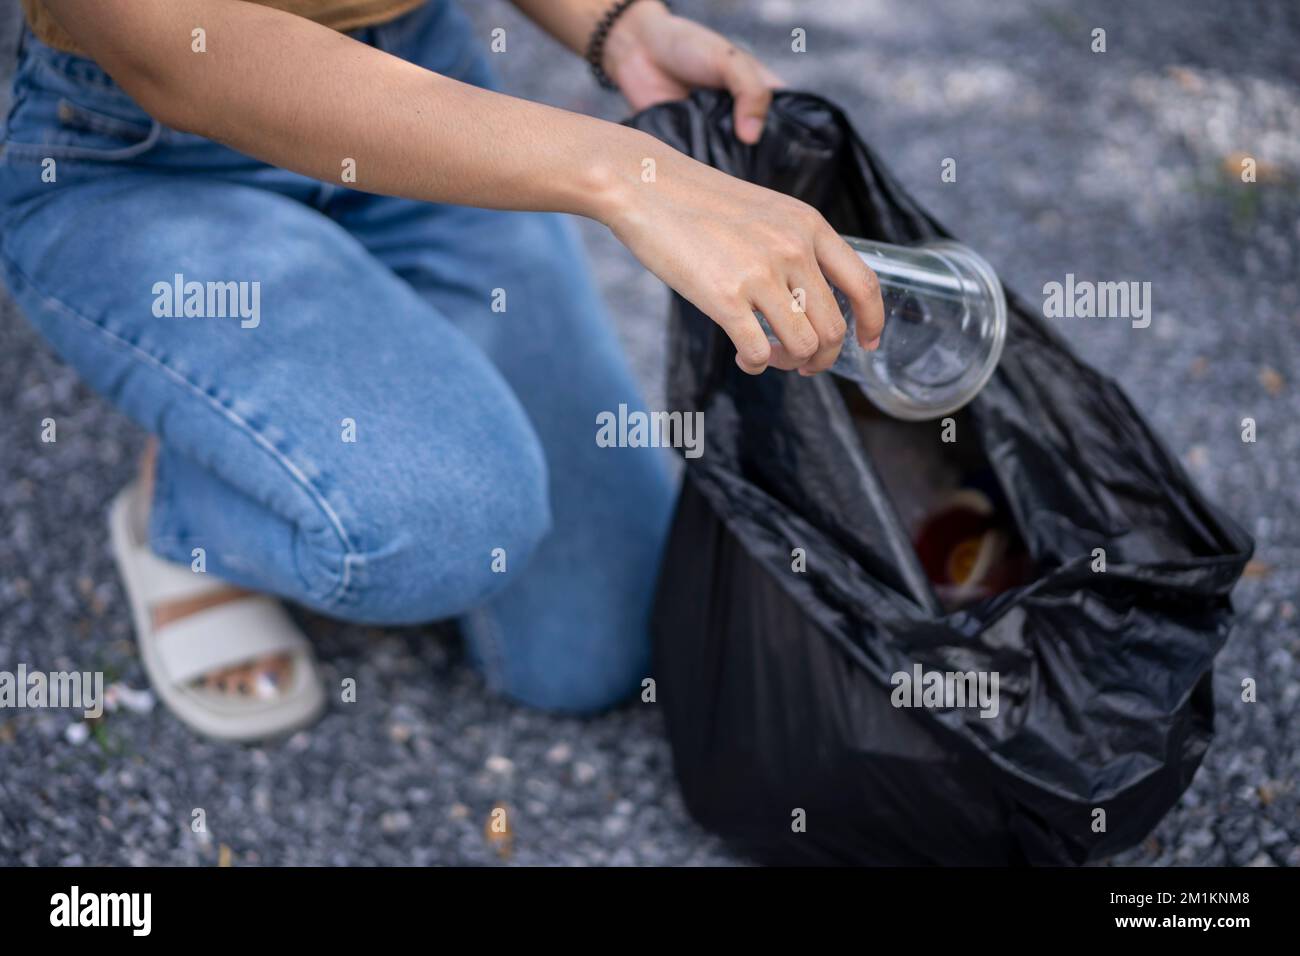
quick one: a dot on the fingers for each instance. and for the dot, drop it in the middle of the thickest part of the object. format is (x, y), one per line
(786, 314)
(842, 266)
(748, 83)
(753, 350)
(823, 314)
(798, 342)
(803, 316)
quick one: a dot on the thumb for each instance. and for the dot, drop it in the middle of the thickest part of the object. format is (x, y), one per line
(753, 96)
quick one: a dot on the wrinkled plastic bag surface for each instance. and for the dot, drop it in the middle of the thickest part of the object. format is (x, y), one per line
(776, 685)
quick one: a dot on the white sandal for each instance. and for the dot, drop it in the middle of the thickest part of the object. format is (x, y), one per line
(222, 636)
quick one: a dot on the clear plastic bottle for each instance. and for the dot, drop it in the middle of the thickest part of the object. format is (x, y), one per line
(945, 324)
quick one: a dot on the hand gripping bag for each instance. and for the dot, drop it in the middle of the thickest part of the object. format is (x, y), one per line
(776, 683)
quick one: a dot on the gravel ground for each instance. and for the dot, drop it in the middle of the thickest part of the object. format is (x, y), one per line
(1111, 166)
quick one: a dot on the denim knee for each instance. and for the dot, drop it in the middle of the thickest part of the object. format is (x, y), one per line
(432, 545)
(579, 663)
(589, 692)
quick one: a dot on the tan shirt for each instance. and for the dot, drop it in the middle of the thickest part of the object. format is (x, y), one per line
(338, 14)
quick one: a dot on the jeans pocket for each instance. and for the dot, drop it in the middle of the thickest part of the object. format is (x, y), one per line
(75, 131)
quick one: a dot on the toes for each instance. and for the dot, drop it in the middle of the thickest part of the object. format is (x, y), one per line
(262, 679)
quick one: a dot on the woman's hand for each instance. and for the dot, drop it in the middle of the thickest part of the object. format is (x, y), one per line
(727, 246)
(732, 249)
(655, 57)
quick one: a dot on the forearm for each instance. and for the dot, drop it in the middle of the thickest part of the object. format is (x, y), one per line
(302, 97)
(306, 98)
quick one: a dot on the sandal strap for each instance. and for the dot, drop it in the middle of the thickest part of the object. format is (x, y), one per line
(165, 582)
(226, 635)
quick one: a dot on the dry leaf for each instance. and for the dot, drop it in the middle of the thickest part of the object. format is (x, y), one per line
(1272, 380)
(223, 855)
(1189, 80)
(1264, 172)
(1257, 569)
(497, 831)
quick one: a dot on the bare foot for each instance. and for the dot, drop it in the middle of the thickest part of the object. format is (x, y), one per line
(262, 677)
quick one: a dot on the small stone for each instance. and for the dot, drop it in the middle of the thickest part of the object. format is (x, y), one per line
(561, 753)
(501, 766)
(458, 811)
(395, 821)
(1271, 836)
(77, 734)
(399, 733)
(583, 772)
(1262, 859)
(136, 701)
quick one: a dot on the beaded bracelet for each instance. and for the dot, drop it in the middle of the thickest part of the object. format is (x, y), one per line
(596, 45)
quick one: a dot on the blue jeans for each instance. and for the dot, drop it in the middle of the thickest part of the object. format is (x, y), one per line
(395, 423)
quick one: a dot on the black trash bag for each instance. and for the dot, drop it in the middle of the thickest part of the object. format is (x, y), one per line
(777, 685)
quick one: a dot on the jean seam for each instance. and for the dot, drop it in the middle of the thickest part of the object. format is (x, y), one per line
(70, 152)
(351, 555)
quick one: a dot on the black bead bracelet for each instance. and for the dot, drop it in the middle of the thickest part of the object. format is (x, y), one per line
(596, 45)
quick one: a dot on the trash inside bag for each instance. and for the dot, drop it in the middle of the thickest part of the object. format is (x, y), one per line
(879, 644)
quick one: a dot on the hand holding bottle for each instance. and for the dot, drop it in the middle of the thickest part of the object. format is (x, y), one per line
(732, 249)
